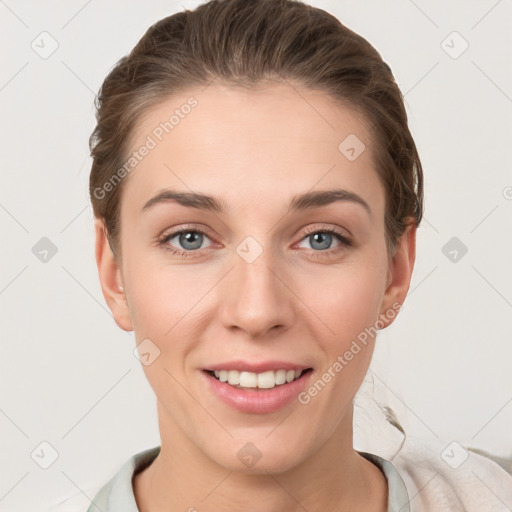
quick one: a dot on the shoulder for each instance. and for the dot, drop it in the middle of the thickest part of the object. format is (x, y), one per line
(113, 496)
(447, 476)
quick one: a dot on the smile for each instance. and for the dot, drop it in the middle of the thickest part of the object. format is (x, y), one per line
(246, 395)
(264, 380)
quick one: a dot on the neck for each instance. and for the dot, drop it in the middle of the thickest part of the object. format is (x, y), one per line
(334, 478)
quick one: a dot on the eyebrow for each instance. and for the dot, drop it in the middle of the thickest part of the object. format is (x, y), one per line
(306, 201)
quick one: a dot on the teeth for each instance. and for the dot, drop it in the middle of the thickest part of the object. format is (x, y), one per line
(248, 380)
(233, 377)
(265, 380)
(280, 377)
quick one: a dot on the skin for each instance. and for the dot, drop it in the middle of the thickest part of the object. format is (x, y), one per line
(255, 149)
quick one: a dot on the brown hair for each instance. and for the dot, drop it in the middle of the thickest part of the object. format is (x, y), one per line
(246, 43)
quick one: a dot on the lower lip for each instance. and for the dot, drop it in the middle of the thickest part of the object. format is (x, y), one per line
(255, 400)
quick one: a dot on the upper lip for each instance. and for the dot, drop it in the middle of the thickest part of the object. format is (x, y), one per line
(256, 367)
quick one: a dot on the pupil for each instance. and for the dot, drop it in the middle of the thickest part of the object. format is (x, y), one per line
(191, 237)
(322, 236)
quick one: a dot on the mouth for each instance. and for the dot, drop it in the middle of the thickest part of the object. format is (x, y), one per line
(257, 387)
(268, 379)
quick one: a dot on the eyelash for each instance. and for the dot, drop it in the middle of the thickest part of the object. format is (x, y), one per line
(344, 241)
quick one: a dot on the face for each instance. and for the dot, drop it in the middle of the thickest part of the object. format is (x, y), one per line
(256, 282)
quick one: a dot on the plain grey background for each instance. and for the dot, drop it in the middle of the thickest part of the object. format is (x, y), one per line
(68, 374)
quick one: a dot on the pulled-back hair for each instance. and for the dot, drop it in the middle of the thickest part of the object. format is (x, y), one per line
(247, 43)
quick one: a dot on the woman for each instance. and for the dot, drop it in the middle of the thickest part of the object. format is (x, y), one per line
(257, 193)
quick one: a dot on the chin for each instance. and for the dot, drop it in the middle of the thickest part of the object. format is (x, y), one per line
(259, 456)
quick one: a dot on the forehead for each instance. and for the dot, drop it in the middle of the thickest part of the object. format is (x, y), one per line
(254, 144)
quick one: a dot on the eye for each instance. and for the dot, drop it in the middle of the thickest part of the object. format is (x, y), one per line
(190, 240)
(321, 239)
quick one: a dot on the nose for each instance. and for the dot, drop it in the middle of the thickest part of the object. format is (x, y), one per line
(257, 297)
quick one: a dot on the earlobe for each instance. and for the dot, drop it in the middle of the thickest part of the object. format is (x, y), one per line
(399, 275)
(111, 278)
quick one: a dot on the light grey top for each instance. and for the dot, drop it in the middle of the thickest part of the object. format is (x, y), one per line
(117, 494)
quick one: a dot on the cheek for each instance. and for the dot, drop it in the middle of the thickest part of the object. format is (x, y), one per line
(168, 306)
(348, 306)
(164, 307)
(338, 302)
(346, 299)
(161, 297)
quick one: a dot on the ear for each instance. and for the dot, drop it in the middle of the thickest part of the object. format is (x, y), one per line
(111, 278)
(399, 275)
